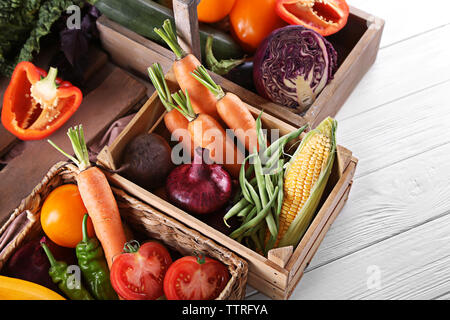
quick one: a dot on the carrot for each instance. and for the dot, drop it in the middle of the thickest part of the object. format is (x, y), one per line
(233, 111)
(209, 134)
(202, 100)
(97, 197)
(173, 119)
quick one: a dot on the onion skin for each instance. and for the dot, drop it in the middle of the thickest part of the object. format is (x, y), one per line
(199, 188)
(290, 53)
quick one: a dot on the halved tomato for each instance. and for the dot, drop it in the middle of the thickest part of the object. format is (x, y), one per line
(138, 274)
(323, 16)
(195, 278)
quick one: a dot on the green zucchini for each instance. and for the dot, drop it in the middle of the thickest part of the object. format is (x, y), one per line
(141, 16)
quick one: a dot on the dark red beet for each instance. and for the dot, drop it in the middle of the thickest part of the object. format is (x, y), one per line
(30, 263)
(199, 188)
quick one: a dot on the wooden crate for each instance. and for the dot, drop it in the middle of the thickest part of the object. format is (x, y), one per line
(277, 275)
(357, 46)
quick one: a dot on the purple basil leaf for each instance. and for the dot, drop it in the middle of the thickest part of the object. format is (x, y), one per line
(74, 44)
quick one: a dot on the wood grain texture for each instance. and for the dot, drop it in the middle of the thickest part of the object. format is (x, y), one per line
(406, 20)
(397, 131)
(185, 13)
(114, 97)
(411, 265)
(402, 70)
(396, 221)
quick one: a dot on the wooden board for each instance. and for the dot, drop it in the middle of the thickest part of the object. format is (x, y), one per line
(117, 94)
(357, 46)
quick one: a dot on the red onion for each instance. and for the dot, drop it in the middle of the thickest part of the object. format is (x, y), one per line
(199, 188)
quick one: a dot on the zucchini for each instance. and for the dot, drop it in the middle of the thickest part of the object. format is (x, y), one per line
(141, 16)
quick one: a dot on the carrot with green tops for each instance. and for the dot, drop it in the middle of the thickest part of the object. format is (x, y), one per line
(97, 197)
(202, 100)
(175, 122)
(209, 134)
(233, 111)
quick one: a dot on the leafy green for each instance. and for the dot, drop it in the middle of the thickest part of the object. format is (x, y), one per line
(23, 24)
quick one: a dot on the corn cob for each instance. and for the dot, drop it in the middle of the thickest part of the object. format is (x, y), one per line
(306, 176)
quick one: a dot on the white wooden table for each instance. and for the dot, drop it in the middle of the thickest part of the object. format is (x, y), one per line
(392, 239)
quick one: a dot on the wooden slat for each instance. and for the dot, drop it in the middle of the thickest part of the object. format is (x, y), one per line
(397, 131)
(114, 97)
(402, 70)
(399, 16)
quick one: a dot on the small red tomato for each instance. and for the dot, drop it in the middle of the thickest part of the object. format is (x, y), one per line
(138, 273)
(195, 278)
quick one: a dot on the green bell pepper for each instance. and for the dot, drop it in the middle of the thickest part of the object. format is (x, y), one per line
(93, 266)
(63, 278)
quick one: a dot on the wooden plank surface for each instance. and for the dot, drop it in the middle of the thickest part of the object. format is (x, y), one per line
(406, 20)
(117, 94)
(391, 239)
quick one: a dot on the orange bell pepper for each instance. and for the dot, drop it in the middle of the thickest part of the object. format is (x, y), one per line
(36, 104)
(253, 20)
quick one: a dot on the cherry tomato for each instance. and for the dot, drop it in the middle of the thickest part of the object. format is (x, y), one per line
(62, 216)
(323, 16)
(253, 20)
(138, 274)
(195, 278)
(214, 10)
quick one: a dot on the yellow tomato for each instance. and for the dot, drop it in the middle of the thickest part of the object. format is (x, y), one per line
(62, 216)
(214, 10)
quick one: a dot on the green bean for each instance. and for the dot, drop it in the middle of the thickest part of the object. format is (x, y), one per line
(255, 196)
(242, 182)
(235, 210)
(263, 195)
(277, 145)
(269, 185)
(256, 220)
(250, 215)
(262, 141)
(243, 213)
(260, 181)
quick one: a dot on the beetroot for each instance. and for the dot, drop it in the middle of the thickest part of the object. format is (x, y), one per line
(199, 188)
(147, 161)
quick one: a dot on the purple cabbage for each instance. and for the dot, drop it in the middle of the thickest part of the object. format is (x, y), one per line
(292, 66)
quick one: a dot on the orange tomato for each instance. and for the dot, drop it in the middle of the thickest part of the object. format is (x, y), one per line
(214, 10)
(253, 20)
(62, 216)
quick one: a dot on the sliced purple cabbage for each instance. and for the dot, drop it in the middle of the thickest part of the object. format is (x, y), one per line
(292, 66)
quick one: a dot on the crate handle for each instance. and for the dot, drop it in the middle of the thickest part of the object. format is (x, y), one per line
(186, 21)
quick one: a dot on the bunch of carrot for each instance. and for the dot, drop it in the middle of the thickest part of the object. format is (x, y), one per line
(204, 105)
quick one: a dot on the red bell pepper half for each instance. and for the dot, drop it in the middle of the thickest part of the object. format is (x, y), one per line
(36, 104)
(323, 16)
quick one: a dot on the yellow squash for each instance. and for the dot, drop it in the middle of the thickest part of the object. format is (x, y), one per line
(17, 289)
